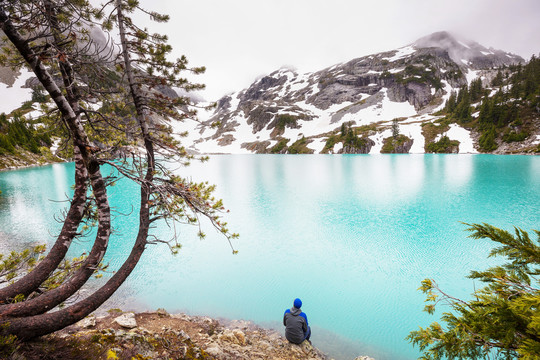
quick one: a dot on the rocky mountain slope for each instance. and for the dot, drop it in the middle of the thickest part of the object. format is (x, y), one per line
(377, 103)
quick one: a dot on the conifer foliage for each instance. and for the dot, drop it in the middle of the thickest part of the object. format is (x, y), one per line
(503, 318)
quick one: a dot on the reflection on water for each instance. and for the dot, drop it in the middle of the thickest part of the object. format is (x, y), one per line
(351, 235)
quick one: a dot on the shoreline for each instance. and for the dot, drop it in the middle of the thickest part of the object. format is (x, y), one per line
(47, 163)
(160, 335)
(26, 160)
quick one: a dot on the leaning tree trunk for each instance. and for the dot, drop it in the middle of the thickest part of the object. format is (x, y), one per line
(56, 296)
(34, 326)
(42, 271)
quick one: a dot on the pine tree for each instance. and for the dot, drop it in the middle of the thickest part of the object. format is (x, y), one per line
(451, 102)
(395, 128)
(476, 90)
(463, 108)
(502, 318)
(497, 80)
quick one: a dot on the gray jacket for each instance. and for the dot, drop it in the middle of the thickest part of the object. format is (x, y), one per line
(296, 325)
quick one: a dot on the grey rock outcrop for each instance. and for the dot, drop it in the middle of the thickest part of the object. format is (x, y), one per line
(362, 149)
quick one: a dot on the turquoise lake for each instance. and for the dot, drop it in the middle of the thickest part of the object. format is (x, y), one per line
(351, 235)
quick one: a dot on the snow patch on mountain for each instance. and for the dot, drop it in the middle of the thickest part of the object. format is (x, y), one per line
(414, 131)
(471, 75)
(401, 53)
(466, 144)
(13, 96)
(378, 139)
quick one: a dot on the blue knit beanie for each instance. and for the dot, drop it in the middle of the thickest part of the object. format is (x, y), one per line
(297, 303)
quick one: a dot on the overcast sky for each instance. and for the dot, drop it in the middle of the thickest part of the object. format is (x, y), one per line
(240, 40)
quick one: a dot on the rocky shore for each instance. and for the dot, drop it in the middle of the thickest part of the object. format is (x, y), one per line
(159, 335)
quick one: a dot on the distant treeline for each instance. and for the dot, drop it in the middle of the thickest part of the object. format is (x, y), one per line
(17, 132)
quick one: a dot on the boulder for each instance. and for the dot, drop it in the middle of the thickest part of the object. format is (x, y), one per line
(230, 337)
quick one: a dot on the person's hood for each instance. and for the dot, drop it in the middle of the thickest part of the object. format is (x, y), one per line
(295, 311)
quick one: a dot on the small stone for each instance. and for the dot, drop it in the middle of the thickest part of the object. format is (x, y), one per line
(162, 313)
(214, 350)
(182, 335)
(126, 320)
(228, 336)
(363, 358)
(306, 347)
(240, 336)
(87, 322)
(145, 331)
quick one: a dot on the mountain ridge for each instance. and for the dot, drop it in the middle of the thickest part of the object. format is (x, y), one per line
(411, 83)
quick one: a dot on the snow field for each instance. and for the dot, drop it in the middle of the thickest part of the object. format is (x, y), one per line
(462, 135)
(401, 53)
(14, 96)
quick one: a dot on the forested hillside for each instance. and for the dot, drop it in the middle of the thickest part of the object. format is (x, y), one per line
(506, 112)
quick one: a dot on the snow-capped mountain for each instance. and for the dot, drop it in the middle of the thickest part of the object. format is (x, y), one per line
(397, 91)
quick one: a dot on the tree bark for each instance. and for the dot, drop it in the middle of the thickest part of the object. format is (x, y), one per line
(56, 296)
(42, 271)
(34, 326)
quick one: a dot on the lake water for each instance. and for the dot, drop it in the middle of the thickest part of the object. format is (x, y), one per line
(351, 235)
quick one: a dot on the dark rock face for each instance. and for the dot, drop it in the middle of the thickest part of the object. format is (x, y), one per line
(224, 103)
(257, 91)
(399, 145)
(417, 94)
(257, 147)
(404, 148)
(364, 149)
(260, 116)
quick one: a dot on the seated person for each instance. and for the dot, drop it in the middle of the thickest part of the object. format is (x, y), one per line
(296, 324)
